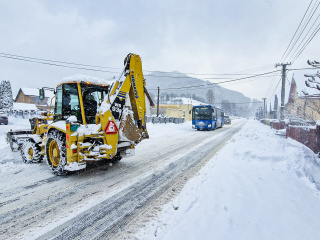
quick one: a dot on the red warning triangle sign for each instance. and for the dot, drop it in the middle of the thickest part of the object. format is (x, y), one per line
(111, 128)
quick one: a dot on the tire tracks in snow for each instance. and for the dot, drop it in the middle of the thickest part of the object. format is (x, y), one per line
(109, 217)
(121, 193)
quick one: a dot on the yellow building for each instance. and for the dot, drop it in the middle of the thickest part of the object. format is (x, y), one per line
(176, 110)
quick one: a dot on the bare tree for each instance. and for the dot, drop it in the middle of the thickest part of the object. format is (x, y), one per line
(210, 96)
(312, 81)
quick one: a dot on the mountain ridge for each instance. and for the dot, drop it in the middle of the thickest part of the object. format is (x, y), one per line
(181, 84)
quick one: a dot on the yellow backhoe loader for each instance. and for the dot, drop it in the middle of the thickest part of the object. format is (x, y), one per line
(93, 120)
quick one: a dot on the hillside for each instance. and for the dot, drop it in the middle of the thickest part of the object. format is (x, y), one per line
(181, 85)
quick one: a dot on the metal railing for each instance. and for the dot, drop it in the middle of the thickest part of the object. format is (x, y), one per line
(164, 120)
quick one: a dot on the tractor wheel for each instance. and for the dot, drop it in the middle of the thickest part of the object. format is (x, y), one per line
(116, 158)
(30, 152)
(56, 152)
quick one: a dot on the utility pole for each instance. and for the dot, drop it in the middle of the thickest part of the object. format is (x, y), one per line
(158, 102)
(283, 92)
(264, 107)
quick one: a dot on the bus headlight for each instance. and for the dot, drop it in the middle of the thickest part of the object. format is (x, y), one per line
(209, 125)
(193, 126)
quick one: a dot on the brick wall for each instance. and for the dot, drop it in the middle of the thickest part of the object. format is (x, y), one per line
(305, 135)
(278, 125)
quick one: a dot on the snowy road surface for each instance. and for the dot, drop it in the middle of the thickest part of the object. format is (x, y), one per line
(100, 202)
(259, 186)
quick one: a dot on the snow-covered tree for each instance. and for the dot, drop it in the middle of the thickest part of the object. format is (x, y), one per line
(313, 81)
(6, 100)
(226, 106)
(210, 96)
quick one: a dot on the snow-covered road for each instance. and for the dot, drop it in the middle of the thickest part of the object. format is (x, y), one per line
(259, 186)
(102, 200)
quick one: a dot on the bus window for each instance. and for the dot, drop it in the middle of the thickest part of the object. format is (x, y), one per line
(202, 113)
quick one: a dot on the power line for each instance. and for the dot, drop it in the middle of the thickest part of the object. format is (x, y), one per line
(60, 64)
(276, 86)
(206, 84)
(270, 85)
(304, 27)
(306, 36)
(54, 64)
(296, 31)
(227, 83)
(84, 67)
(54, 61)
(293, 51)
(307, 43)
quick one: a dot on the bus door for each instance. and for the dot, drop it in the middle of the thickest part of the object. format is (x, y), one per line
(218, 114)
(213, 122)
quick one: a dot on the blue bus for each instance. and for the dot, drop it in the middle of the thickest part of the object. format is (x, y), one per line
(207, 117)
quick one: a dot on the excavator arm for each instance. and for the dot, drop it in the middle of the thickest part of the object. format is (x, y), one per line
(114, 115)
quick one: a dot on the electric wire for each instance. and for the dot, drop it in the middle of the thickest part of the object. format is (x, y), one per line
(54, 61)
(55, 64)
(64, 63)
(227, 81)
(303, 28)
(296, 30)
(294, 53)
(307, 43)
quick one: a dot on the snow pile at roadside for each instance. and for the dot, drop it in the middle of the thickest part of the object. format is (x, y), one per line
(259, 186)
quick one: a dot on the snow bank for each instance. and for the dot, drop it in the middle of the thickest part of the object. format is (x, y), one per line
(259, 186)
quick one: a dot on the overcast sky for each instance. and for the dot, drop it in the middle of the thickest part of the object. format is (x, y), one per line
(209, 36)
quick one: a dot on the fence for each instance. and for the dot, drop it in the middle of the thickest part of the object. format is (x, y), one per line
(165, 120)
(278, 125)
(307, 135)
(23, 113)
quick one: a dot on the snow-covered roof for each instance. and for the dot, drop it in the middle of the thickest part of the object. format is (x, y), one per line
(35, 92)
(24, 106)
(83, 78)
(30, 91)
(189, 101)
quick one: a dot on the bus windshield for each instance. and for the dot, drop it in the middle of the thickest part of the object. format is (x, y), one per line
(202, 113)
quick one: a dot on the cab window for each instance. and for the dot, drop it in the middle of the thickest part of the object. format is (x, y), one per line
(67, 102)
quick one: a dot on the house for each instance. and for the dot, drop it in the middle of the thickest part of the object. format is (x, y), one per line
(31, 96)
(305, 107)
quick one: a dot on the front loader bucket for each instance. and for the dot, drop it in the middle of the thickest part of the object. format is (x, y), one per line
(13, 136)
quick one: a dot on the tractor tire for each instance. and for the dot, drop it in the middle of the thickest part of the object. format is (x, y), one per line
(56, 152)
(30, 152)
(116, 158)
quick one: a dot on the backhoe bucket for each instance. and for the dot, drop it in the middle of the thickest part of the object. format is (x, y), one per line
(129, 131)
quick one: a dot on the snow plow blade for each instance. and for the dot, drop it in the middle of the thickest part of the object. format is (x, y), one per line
(14, 136)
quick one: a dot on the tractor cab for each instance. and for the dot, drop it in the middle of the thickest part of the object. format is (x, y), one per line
(79, 99)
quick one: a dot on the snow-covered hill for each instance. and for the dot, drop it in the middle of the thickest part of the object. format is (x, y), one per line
(179, 84)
